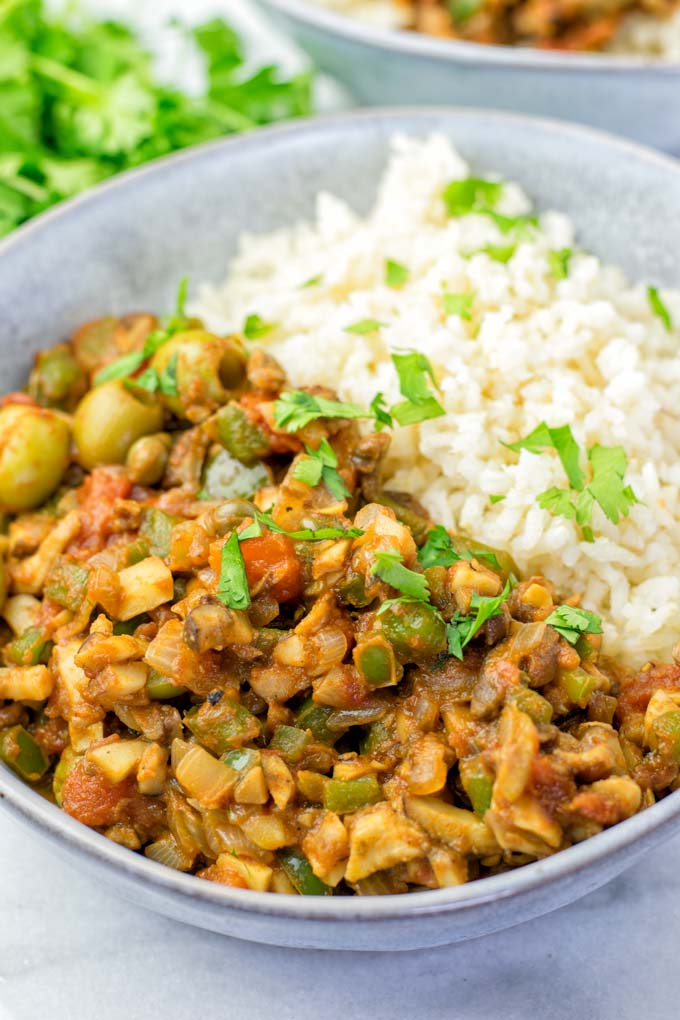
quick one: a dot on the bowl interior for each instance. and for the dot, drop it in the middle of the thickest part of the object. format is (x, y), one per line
(124, 247)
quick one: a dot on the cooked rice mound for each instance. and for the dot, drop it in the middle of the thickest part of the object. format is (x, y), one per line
(586, 351)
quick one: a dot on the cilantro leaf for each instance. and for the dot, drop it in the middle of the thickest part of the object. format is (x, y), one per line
(167, 379)
(659, 308)
(414, 369)
(523, 224)
(320, 465)
(121, 368)
(496, 498)
(497, 252)
(232, 587)
(609, 465)
(295, 409)
(265, 520)
(438, 551)
(313, 281)
(378, 409)
(559, 439)
(364, 327)
(254, 328)
(389, 567)
(462, 628)
(458, 304)
(146, 380)
(473, 194)
(558, 261)
(571, 622)
(396, 274)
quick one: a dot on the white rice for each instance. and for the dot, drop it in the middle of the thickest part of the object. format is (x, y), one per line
(586, 351)
(640, 34)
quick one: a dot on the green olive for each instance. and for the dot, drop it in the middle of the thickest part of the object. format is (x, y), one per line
(208, 367)
(57, 380)
(34, 454)
(109, 419)
(147, 458)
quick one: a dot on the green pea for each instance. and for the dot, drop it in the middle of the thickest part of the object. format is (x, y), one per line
(108, 421)
(207, 367)
(415, 630)
(147, 458)
(34, 454)
(57, 380)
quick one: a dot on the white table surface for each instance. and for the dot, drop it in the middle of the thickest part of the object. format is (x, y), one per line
(71, 949)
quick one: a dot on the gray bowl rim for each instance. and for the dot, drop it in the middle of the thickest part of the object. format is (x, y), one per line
(418, 44)
(46, 818)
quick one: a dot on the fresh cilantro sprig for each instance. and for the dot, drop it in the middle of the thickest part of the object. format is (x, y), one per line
(79, 102)
(321, 465)
(571, 622)
(462, 628)
(471, 195)
(364, 326)
(396, 274)
(389, 567)
(414, 370)
(295, 409)
(458, 304)
(438, 551)
(265, 520)
(558, 262)
(255, 327)
(605, 486)
(127, 365)
(232, 586)
(659, 308)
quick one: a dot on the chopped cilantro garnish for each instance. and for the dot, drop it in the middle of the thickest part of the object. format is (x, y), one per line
(659, 308)
(313, 281)
(414, 369)
(438, 551)
(364, 326)
(378, 409)
(473, 194)
(558, 261)
(320, 465)
(523, 224)
(571, 622)
(396, 275)
(80, 100)
(294, 409)
(606, 487)
(496, 498)
(461, 630)
(232, 587)
(458, 304)
(498, 252)
(254, 328)
(389, 567)
(265, 520)
(559, 439)
(121, 368)
(167, 379)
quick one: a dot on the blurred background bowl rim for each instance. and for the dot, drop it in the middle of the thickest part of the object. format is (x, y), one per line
(51, 822)
(419, 44)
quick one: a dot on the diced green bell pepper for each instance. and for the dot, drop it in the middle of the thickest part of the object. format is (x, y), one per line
(346, 795)
(161, 688)
(299, 871)
(30, 648)
(156, 528)
(374, 659)
(67, 584)
(533, 703)
(314, 717)
(291, 742)
(19, 750)
(579, 685)
(239, 435)
(223, 726)
(666, 735)
(477, 783)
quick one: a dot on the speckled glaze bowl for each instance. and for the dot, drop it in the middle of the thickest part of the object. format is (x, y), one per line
(124, 247)
(636, 97)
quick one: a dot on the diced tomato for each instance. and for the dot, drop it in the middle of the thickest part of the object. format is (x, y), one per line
(90, 798)
(97, 495)
(225, 873)
(637, 690)
(273, 565)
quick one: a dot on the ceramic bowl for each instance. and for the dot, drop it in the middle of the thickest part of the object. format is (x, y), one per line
(635, 97)
(125, 245)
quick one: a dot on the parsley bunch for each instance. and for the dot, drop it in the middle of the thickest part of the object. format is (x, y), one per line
(605, 485)
(79, 102)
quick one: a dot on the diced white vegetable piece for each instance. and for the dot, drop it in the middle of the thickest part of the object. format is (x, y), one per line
(144, 586)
